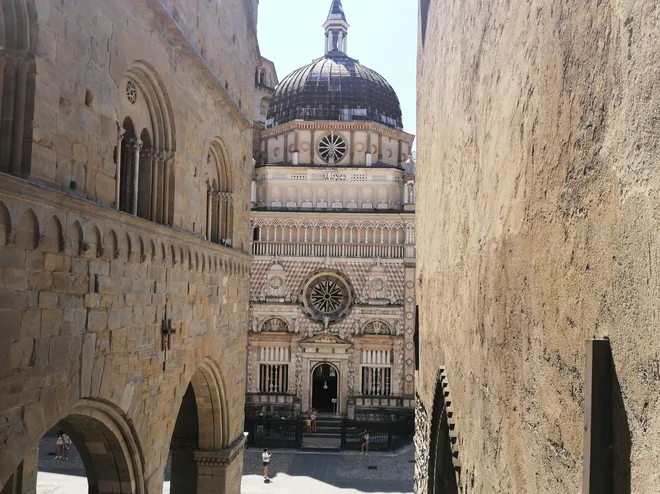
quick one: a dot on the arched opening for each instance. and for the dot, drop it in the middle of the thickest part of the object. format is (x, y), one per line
(201, 433)
(127, 194)
(103, 457)
(325, 388)
(145, 164)
(442, 476)
(220, 206)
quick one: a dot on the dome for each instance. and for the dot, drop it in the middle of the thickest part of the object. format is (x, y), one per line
(335, 87)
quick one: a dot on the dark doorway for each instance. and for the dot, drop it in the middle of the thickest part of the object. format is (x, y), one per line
(185, 440)
(324, 388)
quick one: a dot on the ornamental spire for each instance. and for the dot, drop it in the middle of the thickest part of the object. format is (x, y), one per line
(336, 29)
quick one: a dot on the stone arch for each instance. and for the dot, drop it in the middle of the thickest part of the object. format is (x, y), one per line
(377, 327)
(274, 325)
(142, 251)
(202, 426)
(172, 255)
(94, 243)
(220, 185)
(27, 235)
(110, 246)
(107, 444)
(53, 236)
(144, 166)
(443, 477)
(74, 239)
(5, 224)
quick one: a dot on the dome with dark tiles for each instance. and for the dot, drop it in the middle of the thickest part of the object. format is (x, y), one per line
(335, 87)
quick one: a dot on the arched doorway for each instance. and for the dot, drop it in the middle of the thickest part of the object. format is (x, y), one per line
(325, 388)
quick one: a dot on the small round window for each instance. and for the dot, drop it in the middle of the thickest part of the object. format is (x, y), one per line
(332, 148)
(131, 92)
(326, 295)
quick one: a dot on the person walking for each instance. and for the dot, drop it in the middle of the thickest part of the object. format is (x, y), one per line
(66, 447)
(364, 443)
(312, 417)
(266, 459)
(59, 445)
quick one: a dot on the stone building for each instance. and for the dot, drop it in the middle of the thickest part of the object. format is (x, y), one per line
(332, 284)
(538, 208)
(125, 166)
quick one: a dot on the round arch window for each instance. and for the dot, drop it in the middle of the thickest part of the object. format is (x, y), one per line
(332, 148)
(326, 295)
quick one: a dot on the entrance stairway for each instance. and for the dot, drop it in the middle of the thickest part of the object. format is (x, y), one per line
(327, 436)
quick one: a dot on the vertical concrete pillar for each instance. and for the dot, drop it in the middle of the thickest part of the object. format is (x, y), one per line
(220, 472)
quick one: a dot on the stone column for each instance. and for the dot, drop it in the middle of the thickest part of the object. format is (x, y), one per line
(8, 97)
(220, 472)
(398, 156)
(380, 147)
(137, 146)
(24, 478)
(167, 171)
(209, 214)
(120, 137)
(352, 147)
(19, 116)
(155, 175)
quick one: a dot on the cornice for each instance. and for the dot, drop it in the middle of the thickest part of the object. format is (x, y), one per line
(41, 195)
(221, 458)
(334, 125)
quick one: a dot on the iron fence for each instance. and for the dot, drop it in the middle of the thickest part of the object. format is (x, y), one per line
(274, 432)
(383, 436)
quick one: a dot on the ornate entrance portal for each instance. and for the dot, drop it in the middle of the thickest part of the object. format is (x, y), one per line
(324, 388)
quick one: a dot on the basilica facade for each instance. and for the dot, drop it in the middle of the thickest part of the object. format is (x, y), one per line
(332, 301)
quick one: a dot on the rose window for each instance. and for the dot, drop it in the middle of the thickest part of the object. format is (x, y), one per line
(326, 295)
(332, 148)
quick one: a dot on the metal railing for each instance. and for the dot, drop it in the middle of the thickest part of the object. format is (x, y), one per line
(273, 432)
(307, 249)
(383, 436)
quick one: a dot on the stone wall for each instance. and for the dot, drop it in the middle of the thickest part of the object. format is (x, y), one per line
(86, 290)
(537, 211)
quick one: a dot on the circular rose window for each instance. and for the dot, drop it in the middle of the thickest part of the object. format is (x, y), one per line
(326, 295)
(332, 148)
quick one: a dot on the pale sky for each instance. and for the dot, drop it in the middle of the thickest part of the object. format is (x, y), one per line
(382, 36)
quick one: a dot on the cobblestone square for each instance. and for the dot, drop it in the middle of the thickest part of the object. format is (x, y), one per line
(292, 472)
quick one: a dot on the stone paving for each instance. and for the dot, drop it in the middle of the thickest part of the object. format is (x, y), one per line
(292, 472)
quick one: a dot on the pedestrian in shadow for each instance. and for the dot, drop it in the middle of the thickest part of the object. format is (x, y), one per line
(66, 447)
(59, 445)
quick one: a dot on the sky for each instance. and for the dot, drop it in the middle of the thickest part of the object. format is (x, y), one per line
(382, 36)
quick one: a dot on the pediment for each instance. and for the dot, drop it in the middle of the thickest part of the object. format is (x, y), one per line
(324, 339)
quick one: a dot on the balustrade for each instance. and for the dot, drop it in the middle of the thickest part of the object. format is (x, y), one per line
(308, 249)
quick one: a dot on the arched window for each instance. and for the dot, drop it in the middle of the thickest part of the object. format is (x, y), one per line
(145, 171)
(220, 206)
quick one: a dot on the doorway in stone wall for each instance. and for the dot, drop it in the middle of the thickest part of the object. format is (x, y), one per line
(325, 382)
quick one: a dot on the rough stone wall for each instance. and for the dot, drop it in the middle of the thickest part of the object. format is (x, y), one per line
(538, 137)
(85, 48)
(84, 288)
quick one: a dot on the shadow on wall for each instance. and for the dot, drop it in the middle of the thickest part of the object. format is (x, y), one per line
(621, 440)
(607, 441)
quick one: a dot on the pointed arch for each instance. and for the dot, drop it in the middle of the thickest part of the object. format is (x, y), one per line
(145, 172)
(220, 186)
(53, 236)
(28, 231)
(5, 224)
